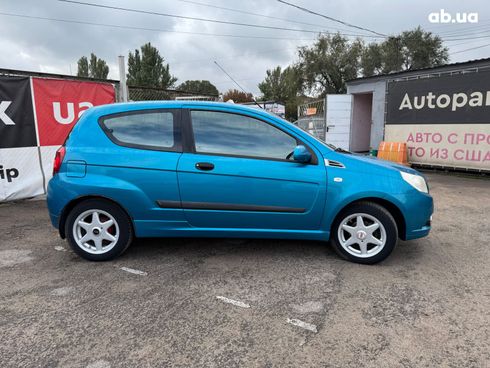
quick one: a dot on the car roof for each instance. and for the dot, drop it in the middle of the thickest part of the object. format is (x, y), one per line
(146, 105)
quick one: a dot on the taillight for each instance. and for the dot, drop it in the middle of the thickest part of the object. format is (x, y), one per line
(58, 159)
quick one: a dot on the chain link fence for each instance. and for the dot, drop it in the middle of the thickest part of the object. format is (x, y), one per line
(311, 118)
(157, 94)
(135, 93)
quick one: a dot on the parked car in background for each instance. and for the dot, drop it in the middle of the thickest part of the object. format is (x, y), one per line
(201, 169)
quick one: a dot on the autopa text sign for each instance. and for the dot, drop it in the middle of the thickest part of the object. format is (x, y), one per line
(451, 99)
(445, 120)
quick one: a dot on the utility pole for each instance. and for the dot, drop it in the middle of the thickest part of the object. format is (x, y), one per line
(123, 88)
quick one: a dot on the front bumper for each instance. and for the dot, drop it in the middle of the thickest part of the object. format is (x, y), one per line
(421, 232)
(417, 210)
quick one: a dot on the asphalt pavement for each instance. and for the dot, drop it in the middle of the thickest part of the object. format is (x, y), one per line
(250, 303)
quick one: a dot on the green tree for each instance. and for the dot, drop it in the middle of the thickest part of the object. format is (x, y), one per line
(372, 59)
(414, 49)
(329, 63)
(391, 57)
(96, 68)
(422, 49)
(284, 86)
(237, 96)
(82, 67)
(280, 84)
(203, 87)
(147, 68)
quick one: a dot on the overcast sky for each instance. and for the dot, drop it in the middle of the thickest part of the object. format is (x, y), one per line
(54, 46)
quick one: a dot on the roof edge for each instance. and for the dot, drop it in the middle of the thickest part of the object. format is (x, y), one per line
(403, 72)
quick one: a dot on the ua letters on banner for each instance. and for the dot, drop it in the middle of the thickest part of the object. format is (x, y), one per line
(36, 115)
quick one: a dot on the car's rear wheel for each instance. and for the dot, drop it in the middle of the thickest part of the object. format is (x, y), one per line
(364, 232)
(98, 230)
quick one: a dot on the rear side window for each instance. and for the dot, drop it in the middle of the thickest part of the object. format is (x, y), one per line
(144, 129)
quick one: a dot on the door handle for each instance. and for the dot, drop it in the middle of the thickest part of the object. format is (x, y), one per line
(205, 166)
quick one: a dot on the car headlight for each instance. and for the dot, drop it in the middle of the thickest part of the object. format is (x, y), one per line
(416, 181)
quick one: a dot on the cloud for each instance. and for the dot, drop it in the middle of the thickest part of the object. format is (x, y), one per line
(41, 45)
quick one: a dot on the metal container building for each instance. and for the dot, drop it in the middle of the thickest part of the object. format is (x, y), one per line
(443, 113)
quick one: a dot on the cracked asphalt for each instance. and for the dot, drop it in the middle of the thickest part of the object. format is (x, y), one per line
(427, 305)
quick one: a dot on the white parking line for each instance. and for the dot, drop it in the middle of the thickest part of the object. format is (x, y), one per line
(305, 325)
(133, 271)
(62, 291)
(234, 302)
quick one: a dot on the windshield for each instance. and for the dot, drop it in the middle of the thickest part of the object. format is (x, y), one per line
(328, 145)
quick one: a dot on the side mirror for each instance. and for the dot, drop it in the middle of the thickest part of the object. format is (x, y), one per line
(301, 154)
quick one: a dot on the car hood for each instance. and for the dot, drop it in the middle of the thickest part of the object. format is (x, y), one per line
(369, 164)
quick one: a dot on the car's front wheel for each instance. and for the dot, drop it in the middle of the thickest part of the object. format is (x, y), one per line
(98, 230)
(364, 232)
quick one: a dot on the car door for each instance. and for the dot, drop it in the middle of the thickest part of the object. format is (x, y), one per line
(237, 175)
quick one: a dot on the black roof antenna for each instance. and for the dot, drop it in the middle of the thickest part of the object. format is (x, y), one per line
(234, 81)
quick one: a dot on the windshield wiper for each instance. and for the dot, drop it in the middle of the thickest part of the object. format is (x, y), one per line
(341, 150)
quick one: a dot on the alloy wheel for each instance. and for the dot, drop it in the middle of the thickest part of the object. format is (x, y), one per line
(362, 235)
(96, 231)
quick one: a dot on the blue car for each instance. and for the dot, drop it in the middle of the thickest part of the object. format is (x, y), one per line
(201, 169)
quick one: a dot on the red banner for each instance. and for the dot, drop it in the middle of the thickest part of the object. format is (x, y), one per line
(59, 103)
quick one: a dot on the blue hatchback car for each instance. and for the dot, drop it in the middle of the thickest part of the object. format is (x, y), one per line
(201, 169)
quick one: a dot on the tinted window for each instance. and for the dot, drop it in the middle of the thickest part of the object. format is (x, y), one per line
(232, 134)
(145, 129)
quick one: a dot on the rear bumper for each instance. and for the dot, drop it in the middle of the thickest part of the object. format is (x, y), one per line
(57, 198)
(55, 220)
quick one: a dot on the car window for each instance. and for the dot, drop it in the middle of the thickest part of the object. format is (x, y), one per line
(145, 129)
(233, 134)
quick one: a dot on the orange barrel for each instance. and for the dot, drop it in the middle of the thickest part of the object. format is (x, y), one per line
(393, 151)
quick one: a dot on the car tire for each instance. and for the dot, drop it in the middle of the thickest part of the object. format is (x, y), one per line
(98, 230)
(364, 232)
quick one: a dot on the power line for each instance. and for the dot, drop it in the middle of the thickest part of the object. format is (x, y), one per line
(459, 43)
(468, 31)
(267, 51)
(462, 43)
(437, 26)
(463, 38)
(234, 81)
(229, 76)
(257, 14)
(479, 31)
(469, 36)
(471, 30)
(462, 35)
(331, 18)
(238, 80)
(132, 10)
(149, 29)
(118, 26)
(469, 49)
(231, 56)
